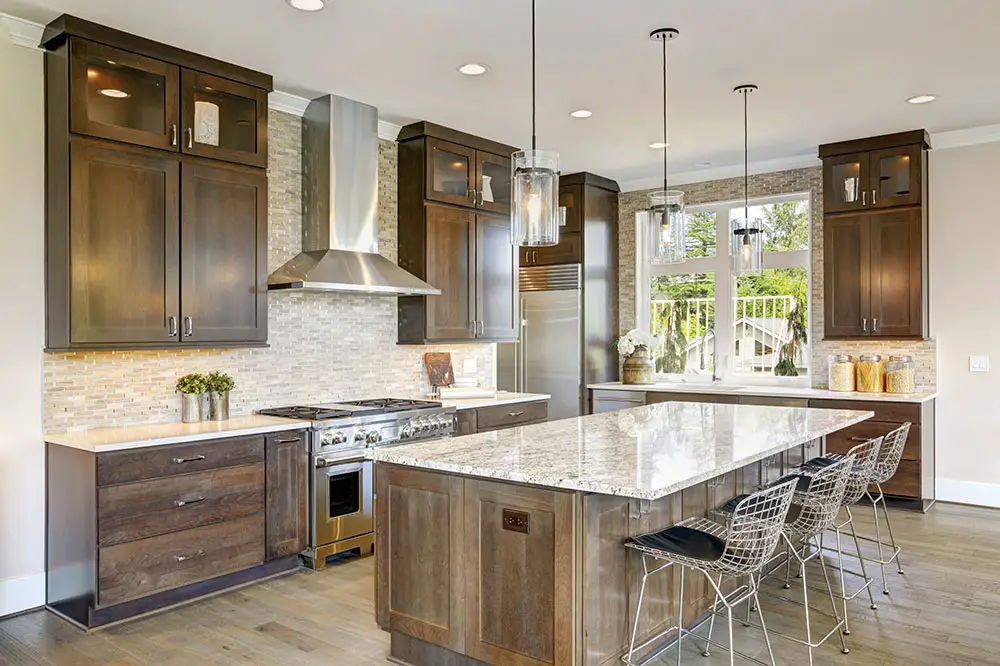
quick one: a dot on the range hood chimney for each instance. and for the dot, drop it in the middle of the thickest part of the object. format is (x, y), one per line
(340, 205)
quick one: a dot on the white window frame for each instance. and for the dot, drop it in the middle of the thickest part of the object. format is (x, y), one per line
(725, 284)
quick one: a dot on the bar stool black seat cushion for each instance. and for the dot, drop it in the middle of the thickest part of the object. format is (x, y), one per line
(794, 511)
(819, 463)
(801, 485)
(684, 541)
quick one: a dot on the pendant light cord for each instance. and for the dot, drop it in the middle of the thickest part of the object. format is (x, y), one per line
(665, 145)
(746, 163)
(533, 139)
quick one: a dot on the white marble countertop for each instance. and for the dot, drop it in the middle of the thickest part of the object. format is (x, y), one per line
(499, 398)
(102, 440)
(644, 452)
(766, 391)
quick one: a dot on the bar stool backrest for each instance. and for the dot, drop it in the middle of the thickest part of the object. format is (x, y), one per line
(865, 457)
(755, 528)
(820, 504)
(890, 454)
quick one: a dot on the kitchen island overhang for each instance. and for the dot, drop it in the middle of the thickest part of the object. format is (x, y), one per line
(507, 547)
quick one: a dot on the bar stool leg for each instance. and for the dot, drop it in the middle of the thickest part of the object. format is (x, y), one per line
(878, 542)
(763, 625)
(805, 603)
(788, 566)
(680, 617)
(638, 608)
(732, 637)
(843, 584)
(861, 559)
(711, 622)
(892, 540)
(829, 591)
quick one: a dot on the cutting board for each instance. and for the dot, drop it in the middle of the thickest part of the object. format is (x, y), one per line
(439, 370)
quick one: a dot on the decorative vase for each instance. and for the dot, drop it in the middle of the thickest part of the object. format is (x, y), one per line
(191, 407)
(488, 189)
(218, 406)
(206, 123)
(639, 368)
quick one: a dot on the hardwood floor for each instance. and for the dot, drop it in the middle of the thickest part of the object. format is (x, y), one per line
(945, 610)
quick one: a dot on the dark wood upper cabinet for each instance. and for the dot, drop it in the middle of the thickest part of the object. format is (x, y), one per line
(149, 244)
(223, 119)
(454, 233)
(875, 237)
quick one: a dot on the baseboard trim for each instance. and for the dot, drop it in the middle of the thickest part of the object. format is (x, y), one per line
(968, 492)
(22, 594)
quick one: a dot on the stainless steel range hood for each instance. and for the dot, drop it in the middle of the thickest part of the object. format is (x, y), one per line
(340, 206)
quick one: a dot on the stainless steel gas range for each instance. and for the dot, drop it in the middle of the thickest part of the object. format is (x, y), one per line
(341, 512)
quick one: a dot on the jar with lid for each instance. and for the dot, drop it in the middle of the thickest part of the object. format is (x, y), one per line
(870, 374)
(900, 375)
(841, 372)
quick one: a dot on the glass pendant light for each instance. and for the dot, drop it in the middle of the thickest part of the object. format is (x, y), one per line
(665, 215)
(748, 232)
(535, 214)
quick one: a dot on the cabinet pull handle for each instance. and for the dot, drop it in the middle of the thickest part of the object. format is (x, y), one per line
(188, 327)
(190, 135)
(181, 461)
(864, 324)
(173, 135)
(180, 503)
(864, 197)
(479, 198)
(874, 198)
(471, 195)
(184, 558)
(171, 327)
(875, 325)
(286, 441)
(482, 328)
(515, 414)
(859, 439)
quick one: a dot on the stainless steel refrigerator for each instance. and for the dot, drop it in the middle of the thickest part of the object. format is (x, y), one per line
(553, 355)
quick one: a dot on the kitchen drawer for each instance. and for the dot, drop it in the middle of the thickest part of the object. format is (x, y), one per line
(506, 416)
(766, 401)
(891, 412)
(159, 461)
(841, 441)
(140, 568)
(137, 510)
(905, 482)
(653, 397)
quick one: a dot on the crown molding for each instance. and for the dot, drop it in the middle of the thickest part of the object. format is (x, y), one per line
(720, 173)
(296, 105)
(22, 32)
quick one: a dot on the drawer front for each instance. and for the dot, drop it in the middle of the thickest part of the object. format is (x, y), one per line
(638, 397)
(506, 416)
(140, 568)
(765, 401)
(138, 510)
(841, 441)
(654, 397)
(891, 412)
(160, 461)
(905, 482)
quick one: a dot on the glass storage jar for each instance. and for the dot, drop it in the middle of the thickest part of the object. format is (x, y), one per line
(900, 375)
(870, 374)
(841, 372)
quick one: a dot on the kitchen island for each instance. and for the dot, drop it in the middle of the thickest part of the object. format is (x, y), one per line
(507, 547)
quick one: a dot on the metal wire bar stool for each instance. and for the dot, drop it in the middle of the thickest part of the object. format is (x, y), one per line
(740, 548)
(865, 456)
(815, 506)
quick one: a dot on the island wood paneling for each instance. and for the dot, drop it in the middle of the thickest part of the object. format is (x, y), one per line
(607, 617)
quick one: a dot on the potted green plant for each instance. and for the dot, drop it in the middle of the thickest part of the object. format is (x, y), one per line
(191, 387)
(218, 385)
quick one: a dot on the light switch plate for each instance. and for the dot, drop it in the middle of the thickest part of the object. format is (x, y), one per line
(979, 364)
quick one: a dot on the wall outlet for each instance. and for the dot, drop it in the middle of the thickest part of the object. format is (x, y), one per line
(979, 364)
(469, 366)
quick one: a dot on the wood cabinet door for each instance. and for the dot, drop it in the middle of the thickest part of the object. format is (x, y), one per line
(451, 261)
(846, 183)
(115, 94)
(223, 253)
(286, 481)
(896, 279)
(895, 178)
(519, 545)
(420, 570)
(568, 251)
(450, 172)
(846, 276)
(497, 304)
(493, 183)
(123, 274)
(223, 120)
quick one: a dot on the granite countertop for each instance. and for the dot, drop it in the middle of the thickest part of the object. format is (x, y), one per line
(499, 398)
(102, 440)
(767, 391)
(644, 452)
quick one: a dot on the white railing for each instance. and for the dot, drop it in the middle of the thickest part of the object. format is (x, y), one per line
(760, 323)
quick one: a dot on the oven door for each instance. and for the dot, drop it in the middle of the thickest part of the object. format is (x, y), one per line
(342, 501)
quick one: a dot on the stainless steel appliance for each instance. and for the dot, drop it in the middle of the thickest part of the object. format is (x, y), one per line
(341, 511)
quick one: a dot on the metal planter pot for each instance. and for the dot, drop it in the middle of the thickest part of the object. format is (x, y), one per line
(191, 407)
(218, 406)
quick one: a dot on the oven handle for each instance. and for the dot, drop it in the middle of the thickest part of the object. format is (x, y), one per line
(348, 464)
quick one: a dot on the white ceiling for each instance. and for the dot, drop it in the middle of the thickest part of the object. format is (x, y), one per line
(828, 70)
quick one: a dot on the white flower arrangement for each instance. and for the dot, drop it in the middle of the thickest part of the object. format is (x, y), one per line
(636, 339)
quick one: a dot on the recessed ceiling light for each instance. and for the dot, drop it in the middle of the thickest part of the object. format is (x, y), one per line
(472, 69)
(659, 145)
(114, 92)
(921, 99)
(581, 113)
(307, 5)
(704, 163)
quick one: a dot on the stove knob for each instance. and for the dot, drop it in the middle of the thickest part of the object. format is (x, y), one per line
(338, 438)
(326, 438)
(359, 436)
(425, 426)
(406, 432)
(374, 437)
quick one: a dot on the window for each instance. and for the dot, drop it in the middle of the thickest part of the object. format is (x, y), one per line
(757, 324)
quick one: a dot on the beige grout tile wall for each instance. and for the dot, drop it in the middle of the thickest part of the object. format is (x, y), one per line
(322, 346)
(762, 185)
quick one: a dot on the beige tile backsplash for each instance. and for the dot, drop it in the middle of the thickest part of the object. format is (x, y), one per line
(323, 346)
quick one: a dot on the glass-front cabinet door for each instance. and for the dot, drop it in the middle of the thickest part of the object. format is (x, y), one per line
(493, 182)
(223, 119)
(895, 176)
(123, 96)
(451, 173)
(845, 183)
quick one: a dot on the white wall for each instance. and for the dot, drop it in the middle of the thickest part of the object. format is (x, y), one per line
(965, 319)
